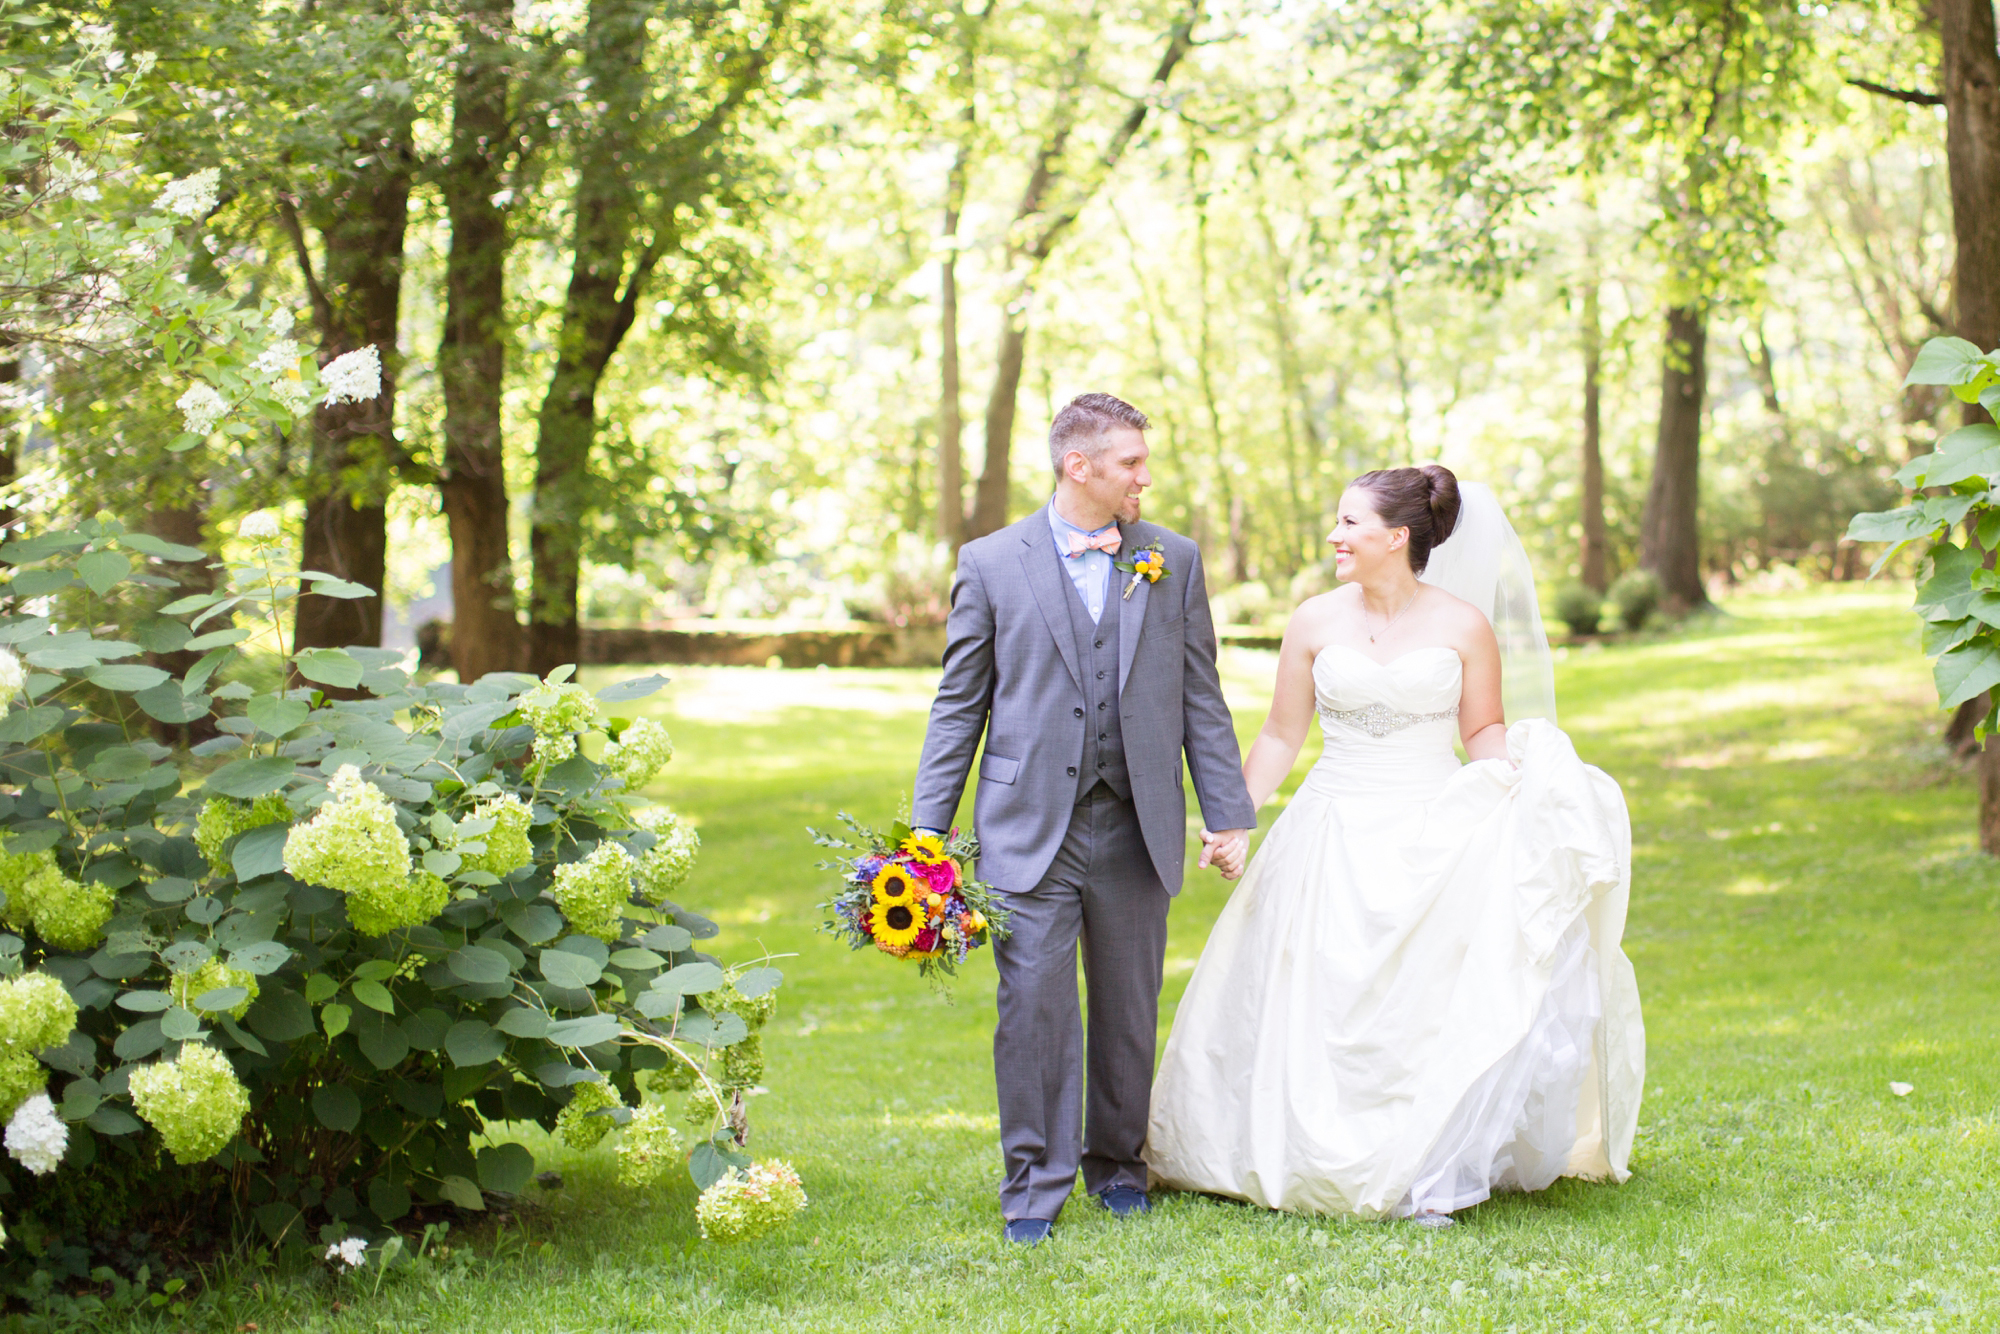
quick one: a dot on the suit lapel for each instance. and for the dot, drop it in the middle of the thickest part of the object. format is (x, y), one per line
(1131, 616)
(1051, 587)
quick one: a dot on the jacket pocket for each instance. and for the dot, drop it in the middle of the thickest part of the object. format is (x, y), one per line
(998, 768)
(1172, 625)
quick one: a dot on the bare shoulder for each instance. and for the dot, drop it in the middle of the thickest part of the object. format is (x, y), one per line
(1315, 620)
(1463, 624)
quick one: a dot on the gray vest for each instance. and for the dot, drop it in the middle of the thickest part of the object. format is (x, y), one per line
(1097, 653)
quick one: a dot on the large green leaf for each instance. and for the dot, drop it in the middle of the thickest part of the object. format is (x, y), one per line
(103, 570)
(506, 1167)
(478, 965)
(388, 1200)
(259, 958)
(758, 981)
(276, 715)
(170, 704)
(252, 777)
(329, 667)
(280, 1015)
(587, 1031)
(637, 687)
(532, 922)
(380, 1038)
(127, 676)
(148, 545)
(461, 1192)
(1944, 361)
(337, 1107)
(523, 1021)
(569, 970)
(1897, 525)
(473, 1042)
(709, 1163)
(689, 979)
(374, 995)
(261, 851)
(1966, 671)
(27, 724)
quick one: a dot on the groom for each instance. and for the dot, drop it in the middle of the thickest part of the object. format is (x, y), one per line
(1087, 680)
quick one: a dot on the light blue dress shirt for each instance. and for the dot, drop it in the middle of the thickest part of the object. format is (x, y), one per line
(1090, 572)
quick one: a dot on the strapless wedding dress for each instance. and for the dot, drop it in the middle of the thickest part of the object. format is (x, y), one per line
(1416, 996)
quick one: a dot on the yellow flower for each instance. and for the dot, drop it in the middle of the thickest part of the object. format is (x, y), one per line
(895, 884)
(895, 925)
(974, 921)
(925, 848)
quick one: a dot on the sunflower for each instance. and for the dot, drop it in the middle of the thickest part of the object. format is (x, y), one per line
(895, 925)
(896, 884)
(925, 848)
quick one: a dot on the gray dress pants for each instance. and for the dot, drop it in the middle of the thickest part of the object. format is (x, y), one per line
(1102, 892)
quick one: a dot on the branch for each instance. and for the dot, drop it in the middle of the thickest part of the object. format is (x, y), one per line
(322, 308)
(1909, 95)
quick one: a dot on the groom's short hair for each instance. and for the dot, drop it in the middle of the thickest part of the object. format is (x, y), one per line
(1084, 422)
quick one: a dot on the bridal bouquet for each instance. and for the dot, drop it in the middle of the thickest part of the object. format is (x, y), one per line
(907, 894)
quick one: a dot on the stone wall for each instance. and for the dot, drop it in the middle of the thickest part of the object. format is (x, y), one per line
(862, 646)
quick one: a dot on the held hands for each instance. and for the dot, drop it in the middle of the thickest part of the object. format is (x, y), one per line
(1227, 851)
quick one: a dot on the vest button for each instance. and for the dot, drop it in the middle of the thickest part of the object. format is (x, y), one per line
(1077, 712)
(1100, 676)
(1071, 771)
(1098, 644)
(1103, 736)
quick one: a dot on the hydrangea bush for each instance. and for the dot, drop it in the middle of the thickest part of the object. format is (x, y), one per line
(327, 954)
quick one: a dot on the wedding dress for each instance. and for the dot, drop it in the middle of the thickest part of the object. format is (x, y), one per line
(1415, 996)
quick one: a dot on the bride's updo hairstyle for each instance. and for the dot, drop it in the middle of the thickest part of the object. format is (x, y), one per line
(1423, 500)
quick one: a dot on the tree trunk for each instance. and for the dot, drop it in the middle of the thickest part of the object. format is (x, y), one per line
(486, 636)
(1670, 533)
(1595, 554)
(596, 316)
(1970, 67)
(353, 444)
(951, 424)
(989, 513)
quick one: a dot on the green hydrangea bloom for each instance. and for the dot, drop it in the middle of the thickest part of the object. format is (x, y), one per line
(701, 1109)
(640, 751)
(676, 1076)
(665, 865)
(352, 843)
(186, 988)
(36, 1012)
(743, 1064)
(195, 1101)
(558, 710)
(750, 1202)
(507, 845)
(67, 914)
(223, 818)
(15, 873)
(650, 1148)
(21, 1078)
(378, 909)
(594, 892)
(575, 1124)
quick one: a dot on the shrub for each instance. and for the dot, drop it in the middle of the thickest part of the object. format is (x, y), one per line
(1579, 608)
(298, 968)
(1637, 595)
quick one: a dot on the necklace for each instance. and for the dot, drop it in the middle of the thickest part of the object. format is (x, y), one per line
(1393, 619)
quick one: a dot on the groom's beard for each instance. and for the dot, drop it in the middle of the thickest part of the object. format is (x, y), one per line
(1128, 512)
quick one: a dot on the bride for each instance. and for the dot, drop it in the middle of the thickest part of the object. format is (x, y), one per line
(1416, 995)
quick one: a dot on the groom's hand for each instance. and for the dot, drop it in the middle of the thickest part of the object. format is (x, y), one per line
(1226, 850)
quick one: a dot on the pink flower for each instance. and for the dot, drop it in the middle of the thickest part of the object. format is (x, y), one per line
(940, 877)
(927, 939)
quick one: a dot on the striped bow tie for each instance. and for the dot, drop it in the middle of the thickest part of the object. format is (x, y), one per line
(1107, 541)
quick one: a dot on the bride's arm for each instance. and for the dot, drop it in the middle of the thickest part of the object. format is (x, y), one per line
(1482, 723)
(1284, 732)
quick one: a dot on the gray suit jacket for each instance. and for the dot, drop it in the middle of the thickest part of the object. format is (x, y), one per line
(1012, 672)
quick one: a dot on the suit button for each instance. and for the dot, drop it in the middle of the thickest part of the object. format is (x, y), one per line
(1100, 676)
(1077, 712)
(1098, 644)
(1104, 706)
(1071, 771)
(1103, 736)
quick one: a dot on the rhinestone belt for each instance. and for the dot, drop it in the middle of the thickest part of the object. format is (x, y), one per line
(1379, 720)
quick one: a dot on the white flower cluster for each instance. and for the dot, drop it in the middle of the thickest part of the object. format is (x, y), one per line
(13, 678)
(639, 752)
(280, 321)
(352, 1253)
(558, 710)
(201, 408)
(278, 358)
(750, 1202)
(36, 1136)
(353, 377)
(192, 196)
(665, 865)
(293, 394)
(261, 527)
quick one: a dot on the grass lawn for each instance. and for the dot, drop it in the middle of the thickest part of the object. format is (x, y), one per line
(1810, 921)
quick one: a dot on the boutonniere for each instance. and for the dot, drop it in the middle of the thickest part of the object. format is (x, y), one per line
(1148, 563)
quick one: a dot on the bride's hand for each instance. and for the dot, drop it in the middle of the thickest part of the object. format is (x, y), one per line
(1226, 851)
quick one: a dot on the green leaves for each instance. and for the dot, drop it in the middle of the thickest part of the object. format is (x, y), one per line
(329, 667)
(1965, 671)
(473, 1042)
(1945, 361)
(506, 1168)
(569, 970)
(103, 570)
(259, 852)
(337, 1107)
(689, 979)
(637, 688)
(277, 715)
(479, 965)
(253, 777)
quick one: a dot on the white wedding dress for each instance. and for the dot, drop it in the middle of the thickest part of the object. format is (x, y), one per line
(1416, 996)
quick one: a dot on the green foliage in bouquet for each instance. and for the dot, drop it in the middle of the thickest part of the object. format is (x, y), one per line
(910, 894)
(313, 958)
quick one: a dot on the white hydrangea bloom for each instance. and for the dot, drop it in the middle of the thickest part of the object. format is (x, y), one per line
(13, 678)
(279, 357)
(280, 322)
(37, 1137)
(353, 1253)
(201, 408)
(260, 527)
(293, 394)
(639, 753)
(353, 377)
(192, 196)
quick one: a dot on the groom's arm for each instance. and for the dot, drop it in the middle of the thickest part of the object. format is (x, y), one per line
(964, 698)
(1214, 759)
